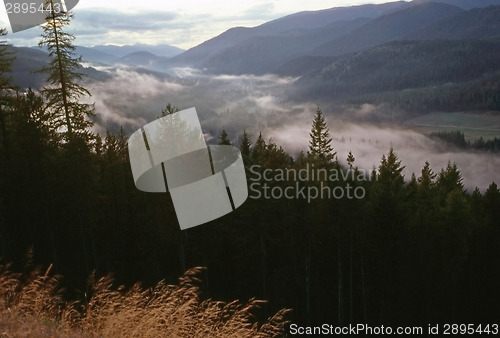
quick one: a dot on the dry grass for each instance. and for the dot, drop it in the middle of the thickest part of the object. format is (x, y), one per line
(33, 306)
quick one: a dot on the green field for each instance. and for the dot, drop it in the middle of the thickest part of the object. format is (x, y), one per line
(473, 126)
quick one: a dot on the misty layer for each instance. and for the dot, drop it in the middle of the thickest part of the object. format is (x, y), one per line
(256, 103)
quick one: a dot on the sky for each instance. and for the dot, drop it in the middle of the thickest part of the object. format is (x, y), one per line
(183, 24)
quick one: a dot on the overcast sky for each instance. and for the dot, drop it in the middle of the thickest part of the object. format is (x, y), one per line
(184, 23)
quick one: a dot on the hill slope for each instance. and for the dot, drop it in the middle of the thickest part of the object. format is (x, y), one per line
(387, 28)
(474, 24)
(263, 54)
(403, 65)
(27, 62)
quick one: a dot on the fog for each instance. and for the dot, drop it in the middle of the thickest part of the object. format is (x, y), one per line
(368, 143)
(131, 98)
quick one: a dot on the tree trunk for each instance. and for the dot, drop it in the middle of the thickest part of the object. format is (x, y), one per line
(350, 280)
(61, 72)
(182, 251)
(363, 290)
(3, 130)
(308, 279)
(263, 265)
(340, 286)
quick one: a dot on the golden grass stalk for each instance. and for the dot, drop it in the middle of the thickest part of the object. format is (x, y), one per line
(33, 306)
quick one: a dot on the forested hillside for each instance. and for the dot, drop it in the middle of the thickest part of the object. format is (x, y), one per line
(414, 249)
(439, 75)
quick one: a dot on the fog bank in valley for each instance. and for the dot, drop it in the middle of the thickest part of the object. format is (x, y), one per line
(369, 142)
(132, 98)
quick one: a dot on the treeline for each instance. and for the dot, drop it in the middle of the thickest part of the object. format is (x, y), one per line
(457, 138)
(482, 94)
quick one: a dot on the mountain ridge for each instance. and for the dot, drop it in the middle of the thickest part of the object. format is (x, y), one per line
(197, 55)
(387, 28)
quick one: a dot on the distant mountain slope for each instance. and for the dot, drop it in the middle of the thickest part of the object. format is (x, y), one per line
(121, 51)
(466, 4)
(474, 24)
(263, 54)
(302, 20)
(304, 65)
(142, 59)
(387, 28)
(109, 54)
(90, 54)
(321, 18)
(402, 65)
(27, 62)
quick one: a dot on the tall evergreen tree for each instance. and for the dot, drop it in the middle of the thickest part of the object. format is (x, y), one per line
(450, 179)
(276, 157)
(5, 83)
(427, 178)
(224, 138)
(63, 91)
(6, 58)
(350, 160)
(245, 148)
(259, 150)
(320, 142)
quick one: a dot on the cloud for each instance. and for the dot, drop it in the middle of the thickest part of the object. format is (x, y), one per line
(179, 26)
(119, 100)
(107, 20)
(262, 11)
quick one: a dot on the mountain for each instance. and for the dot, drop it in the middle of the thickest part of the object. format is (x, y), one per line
(465, 4)
(93, 55)
(303, 66)
(302, 20)
(121, 51)
(268, 47)
(263, 54)
(387, 28)
(142, 59)
(478, 23)
(405, 65)
(321, 18)
(27, 62)
(303, 42)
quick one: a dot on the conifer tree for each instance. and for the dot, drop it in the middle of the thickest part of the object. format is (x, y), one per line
(427, 177)
(245, 148)
(169, 110)
(491, 203)
(6, 58)
(259, 150)
(63, 91)
(390, 170)
(5, 80)
(450, 179)
(350, 160)
(276, 157)
(320, 142)
(224, 138)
